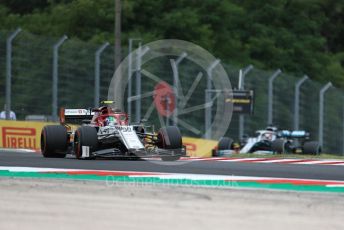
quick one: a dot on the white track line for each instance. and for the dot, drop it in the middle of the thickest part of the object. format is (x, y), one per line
(317, 162)
(241, 160)
(335, 185)
(279, 161)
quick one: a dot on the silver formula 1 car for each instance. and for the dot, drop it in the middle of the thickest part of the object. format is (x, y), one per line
(271, 140)
(105, 132)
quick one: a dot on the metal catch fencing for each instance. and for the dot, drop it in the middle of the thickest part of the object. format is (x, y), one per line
(46, 73)
(40, 74)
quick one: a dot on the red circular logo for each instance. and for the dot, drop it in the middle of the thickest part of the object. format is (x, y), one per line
(164, 99)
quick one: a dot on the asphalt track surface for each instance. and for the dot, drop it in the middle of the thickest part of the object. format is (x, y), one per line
(322, 172)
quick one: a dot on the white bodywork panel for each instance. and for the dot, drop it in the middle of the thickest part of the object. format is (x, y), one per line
(130, 138)
(77, 112)
(126, 133)
(250, 143)
(85, 151)
(261, 135)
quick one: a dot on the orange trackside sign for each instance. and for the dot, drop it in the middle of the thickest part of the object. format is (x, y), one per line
(20, 134)
(197, 147)
(23, 138)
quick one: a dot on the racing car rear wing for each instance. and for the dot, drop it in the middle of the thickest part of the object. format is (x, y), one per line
(75, 116)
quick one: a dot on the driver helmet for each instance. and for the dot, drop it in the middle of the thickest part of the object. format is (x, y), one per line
(110, 121)
(271, 128)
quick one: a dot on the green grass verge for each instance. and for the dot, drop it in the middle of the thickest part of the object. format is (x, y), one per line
(141, 181)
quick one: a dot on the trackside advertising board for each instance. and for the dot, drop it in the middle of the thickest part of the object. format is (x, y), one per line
(21, 134)
(243, 101)
(27, 135)
(196, 147)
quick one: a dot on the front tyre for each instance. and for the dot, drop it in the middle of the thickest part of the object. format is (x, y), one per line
(279, 146)
(170, 138)
(54, 141)
(225, 143)
(85, 136)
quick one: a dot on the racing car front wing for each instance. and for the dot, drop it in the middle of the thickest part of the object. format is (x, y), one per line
(132, 153)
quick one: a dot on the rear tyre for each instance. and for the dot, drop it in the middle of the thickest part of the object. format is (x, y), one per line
(85, 136)
(312, 147)
(279, 146)
(225, 143)
(54, 141)
(170, 138)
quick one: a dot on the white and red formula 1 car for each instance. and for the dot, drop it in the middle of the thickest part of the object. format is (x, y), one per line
(106, 132)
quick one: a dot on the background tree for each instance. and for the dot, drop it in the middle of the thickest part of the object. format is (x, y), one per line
(298, 36)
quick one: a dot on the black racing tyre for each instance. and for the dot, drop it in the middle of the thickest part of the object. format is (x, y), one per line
(85, 136)
(225, 143)
(311, 147)
(169, 138)
(54, 141)
(279, 146)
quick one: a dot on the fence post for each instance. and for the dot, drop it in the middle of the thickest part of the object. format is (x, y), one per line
(270, 96)
(321, 112)
(297, 102)
(140, 53)
(176, 87)
(55, 76)
(130, 69)
(343, 131)
(97, 74)
(208, 99)
(241, 86)
(9, 72)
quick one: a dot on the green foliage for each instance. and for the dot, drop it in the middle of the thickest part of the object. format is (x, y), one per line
(297, 36)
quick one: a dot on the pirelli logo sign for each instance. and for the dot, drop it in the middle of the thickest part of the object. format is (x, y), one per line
(21, 134)
(197, 147)
(16, 137)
